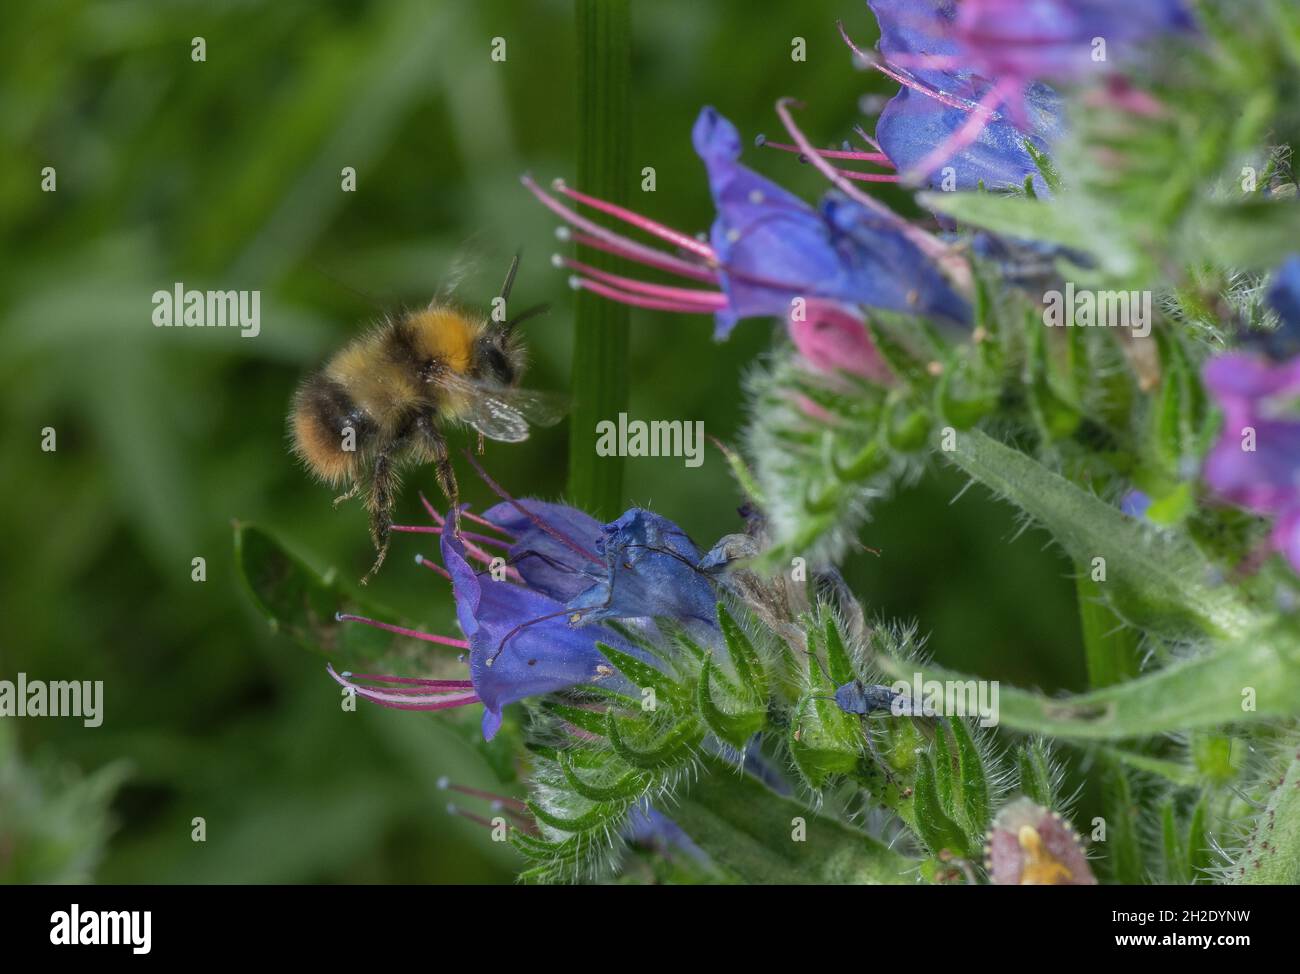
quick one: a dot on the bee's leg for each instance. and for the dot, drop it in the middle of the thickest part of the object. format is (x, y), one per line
(436, 444)
(380, 504)
(480, 444)
(351, 493)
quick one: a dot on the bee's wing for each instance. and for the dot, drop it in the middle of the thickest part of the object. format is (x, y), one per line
(504, 413)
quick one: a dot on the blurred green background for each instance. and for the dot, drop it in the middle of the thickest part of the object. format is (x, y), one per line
(226, 174)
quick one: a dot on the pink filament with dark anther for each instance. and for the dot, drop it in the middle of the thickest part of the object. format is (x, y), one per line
(402, 631)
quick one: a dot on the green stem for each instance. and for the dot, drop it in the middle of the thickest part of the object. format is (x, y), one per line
(600, 327)
(1110, 647)
(1255, 679)
(754, 834)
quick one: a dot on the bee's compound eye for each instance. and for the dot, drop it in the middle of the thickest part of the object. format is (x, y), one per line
(497, 364)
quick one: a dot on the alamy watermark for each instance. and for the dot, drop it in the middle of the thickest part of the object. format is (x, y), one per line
(208, 309)
(656, 438)
(1084, 308)
(947, 698)
(58, 698)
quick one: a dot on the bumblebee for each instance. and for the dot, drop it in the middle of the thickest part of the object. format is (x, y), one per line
(380, 405)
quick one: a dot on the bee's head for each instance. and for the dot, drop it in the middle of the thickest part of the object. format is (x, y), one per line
(499, 353)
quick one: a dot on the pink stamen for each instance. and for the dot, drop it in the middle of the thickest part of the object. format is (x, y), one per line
(397, 700)
(833, 153)
(869, 177)
(638, 300)
(629, 247)
(433, 566)
(862, 134)
(453, 809)
(905, 79)
(425, 529)
(505, 801)
(660, 261)
(418, 681)
(709, 299)
(650, 226)
(469, 516)
(401, 631)
(533, 518)
(438, 519)
(933, 248)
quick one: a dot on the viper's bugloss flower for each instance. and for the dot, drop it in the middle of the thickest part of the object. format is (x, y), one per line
(651, 571)
(1255, 463)
(1059, 39)
(530, 614)
(955, 110)
(1029, 845)
(766, 248)
(974, 75)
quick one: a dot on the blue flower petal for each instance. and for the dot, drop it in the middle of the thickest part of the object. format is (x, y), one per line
(521, 644)
(649, 573)
(773, 247)
(546, 563)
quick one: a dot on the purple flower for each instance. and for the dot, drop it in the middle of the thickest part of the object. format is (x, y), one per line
(949, 112)
(973, 77)
(767, 248)
(773, 247)
(520, 642)
(651, 571)
(530, 615)
(1135, 504)
(1255, 463)
(1061, 39)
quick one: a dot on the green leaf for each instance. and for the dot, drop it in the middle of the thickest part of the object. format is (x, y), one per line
(735, 729)
(301, 604)
(628, 787)
(1034, 767)
(673, 748)
(749, 830)
(643, 675)
(837, 657)
(1156, 580)
(936, 829)
(1271, 854)
(745, 659)
(973, 780)
(1203, 691)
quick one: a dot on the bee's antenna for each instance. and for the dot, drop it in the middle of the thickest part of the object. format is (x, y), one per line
(510, 277)
(534, 311)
